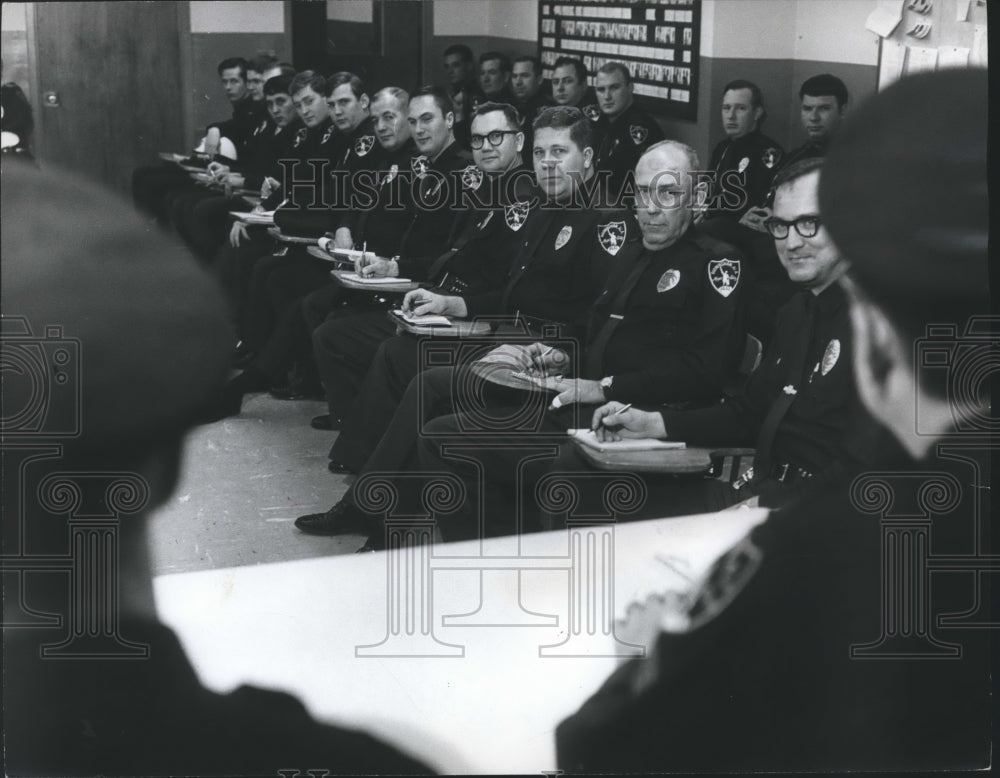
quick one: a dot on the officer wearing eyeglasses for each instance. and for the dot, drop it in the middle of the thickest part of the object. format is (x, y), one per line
(800, 407)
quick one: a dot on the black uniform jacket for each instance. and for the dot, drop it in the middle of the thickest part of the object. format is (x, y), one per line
(680, 331)
(825, 429)
(815, 644)
(744, 169)
(622, 141)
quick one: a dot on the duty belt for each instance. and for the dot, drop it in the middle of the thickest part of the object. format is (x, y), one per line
(783, 473)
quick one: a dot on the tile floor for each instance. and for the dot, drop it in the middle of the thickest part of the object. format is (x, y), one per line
(244, 481)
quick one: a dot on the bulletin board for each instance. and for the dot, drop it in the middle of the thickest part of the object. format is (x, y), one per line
(918, 35)
(658, 40)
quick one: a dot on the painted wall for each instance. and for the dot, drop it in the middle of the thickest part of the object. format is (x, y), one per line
(14, 45)
(217, 30)
(775, 43)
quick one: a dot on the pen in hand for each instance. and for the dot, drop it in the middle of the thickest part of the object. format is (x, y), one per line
(604, 419)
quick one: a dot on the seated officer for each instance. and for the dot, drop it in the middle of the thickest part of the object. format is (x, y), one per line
(569, 87)
(150, 185)
(530, 93)
(665, 324)
(824, 101)
(800, 406)
(822, 641)
(625, 131)
(558, 271)
(151, 361)
(483, 242)
(494, 79)
(460, 71)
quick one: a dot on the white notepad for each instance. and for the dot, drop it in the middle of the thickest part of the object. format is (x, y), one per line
(589, 439)
(355, 278)
(430, 320)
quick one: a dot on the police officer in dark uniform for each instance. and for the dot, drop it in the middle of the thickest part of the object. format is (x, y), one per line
(559, 270)
(498, 193)
(494, 80)
(800, 406)
(823, 103)
(746, 161)
(791, 657)
(569, 87)
(625, 130)
(155, 188)
(531, 95)
(123, 699)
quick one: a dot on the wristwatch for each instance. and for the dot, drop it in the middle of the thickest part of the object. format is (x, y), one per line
(606, 384)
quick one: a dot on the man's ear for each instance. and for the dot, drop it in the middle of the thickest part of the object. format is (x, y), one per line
(588, 157)
(758, 113)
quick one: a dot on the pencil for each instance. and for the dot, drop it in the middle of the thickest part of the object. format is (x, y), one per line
(620, 410)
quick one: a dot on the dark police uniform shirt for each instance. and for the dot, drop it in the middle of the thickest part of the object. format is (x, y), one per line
(558, 272)
(747, 164)
(272, 144)
(347, 154)
(680, 333)
(246, 118)
(487, 238)
(435, 186)
(622, 142)
(808, 150)
(825, 429)
(151, 716)
(763, 678)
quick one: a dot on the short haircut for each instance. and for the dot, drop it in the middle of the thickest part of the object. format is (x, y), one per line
(278, 85)
(502, 58)
(463, 51)
(287, 68)
(616, 67)
(796, 170)
(344, 77)
(308, 78)
(825, 85)
(692, 156)
(401, 96)
(756, 96)
(577, 65)
(441, 98)
(509, 112)
(234, 62)
(263, 61)
(536, 64)
(561, 117)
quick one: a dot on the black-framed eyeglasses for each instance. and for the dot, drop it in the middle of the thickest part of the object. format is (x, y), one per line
(495, 138)
(806, 226)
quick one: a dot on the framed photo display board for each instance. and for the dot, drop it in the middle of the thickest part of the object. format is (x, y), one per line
(658, 40)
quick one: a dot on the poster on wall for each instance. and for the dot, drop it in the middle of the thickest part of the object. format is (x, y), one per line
(658, 40)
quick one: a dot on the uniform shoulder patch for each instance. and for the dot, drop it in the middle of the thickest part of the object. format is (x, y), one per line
(516, 214)
(327, 135)
(724, 275)
(770, 157)
(299, 137)
(727, 578)
(592, 112)
(612, 236)
(638, 134)
(472, 177)
(364, 144)
(420, 165)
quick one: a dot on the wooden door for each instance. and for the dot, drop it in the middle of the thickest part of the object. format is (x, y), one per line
(114, 70)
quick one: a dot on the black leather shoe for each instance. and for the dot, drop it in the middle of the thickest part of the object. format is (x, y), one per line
(296, 390)
(325, 422)
(369, 548)
(339, 468)
(342, 519)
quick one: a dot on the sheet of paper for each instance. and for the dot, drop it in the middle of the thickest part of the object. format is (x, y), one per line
(588, 438)
(885, 18)
(953, 57)
(920, 59)
(962, 10)
(891, 65)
